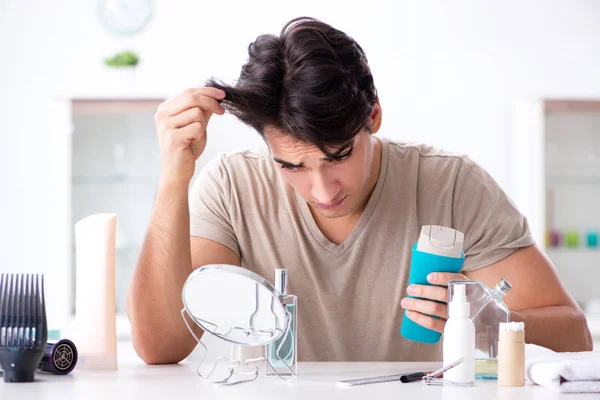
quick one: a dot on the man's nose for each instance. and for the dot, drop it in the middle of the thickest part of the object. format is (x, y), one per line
(324, 188)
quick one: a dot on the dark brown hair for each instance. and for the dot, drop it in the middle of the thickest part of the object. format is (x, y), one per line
(311, 82)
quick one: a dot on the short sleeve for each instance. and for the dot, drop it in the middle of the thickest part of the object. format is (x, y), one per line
(493, 227)
(209, 201)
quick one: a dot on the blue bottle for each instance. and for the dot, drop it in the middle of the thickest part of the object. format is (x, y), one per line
(592, 239)
(439, 249)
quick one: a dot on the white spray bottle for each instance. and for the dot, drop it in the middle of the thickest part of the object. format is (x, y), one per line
(459, 338)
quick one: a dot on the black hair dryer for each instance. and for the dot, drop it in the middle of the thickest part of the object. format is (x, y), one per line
(59, 357)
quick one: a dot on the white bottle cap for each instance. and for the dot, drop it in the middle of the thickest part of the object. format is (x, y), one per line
(442, 241)
(459, 307)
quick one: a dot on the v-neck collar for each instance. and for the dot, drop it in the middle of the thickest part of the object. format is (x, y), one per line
(340, 249)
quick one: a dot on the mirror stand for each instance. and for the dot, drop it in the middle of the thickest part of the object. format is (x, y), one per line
(234, 376)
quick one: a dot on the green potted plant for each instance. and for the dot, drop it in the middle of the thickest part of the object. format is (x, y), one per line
(121, 68)
(123, 59)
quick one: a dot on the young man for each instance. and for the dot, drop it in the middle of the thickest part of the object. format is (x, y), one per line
(333, 204)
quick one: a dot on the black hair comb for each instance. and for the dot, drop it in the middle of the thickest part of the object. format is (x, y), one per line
(23, 326)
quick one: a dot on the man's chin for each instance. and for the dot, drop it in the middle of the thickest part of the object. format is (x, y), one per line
(334, 213)
(345, 208)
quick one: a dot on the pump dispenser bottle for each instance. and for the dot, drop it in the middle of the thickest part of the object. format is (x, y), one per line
(459, 338)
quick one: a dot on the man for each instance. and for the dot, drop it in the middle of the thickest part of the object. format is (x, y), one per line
(333, 204)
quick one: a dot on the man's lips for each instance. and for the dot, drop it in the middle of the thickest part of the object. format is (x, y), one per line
(332, 204)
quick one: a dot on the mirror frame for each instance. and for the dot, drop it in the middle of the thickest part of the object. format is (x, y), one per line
(232, 269)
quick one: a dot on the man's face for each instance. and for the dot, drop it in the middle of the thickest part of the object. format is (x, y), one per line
(333, 188)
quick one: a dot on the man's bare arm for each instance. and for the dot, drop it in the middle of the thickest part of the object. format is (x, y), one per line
(552, 317)
(167, 258)
(154, 298)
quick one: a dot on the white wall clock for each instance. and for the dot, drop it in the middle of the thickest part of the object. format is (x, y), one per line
(124, 17)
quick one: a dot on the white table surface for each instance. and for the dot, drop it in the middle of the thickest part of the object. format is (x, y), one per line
(135, 380)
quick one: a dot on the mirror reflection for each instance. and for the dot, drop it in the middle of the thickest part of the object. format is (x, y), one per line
(234, 304)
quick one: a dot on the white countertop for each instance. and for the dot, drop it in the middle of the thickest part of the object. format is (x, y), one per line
(135, 380)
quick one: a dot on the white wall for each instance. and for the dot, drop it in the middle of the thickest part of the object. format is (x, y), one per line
(448, 73)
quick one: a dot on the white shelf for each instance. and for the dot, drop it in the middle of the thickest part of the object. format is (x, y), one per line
(116, 179)
(113, 95)
(573, 179)
(115, 105)
(576, 250)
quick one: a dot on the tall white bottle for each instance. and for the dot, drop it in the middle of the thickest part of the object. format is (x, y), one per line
(459, 338)
(95, 303)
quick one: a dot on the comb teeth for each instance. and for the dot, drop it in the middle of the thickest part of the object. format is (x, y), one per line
(22, 311)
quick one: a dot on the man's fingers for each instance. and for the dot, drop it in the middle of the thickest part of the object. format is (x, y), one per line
(215, 93)
(442, 278)
(211, 92)
(425, 307)
(187, 135)
(205, 103)
(427, 321)
(186, 117)
(438, 293)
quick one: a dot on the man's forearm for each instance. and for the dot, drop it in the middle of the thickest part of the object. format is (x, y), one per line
(560, 328)
(154, 298)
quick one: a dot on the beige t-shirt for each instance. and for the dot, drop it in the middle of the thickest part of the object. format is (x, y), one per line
(349, 294)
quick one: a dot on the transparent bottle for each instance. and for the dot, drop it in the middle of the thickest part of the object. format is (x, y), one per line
(282, 353)
(487, 312)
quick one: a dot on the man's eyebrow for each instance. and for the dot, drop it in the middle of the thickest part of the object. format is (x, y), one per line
(287, 163)
(341, 152)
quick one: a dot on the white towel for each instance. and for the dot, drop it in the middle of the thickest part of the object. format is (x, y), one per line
(563, 372)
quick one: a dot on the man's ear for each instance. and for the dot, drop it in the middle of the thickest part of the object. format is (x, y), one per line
(375, 117)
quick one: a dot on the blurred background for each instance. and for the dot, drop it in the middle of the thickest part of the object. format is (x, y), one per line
(514, 84)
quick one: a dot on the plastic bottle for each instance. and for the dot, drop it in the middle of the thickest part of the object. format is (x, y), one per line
(459, 339)
(439, 249)
(511, 354)
(95, 307)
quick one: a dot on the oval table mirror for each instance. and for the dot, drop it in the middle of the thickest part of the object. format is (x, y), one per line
(235, 305)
